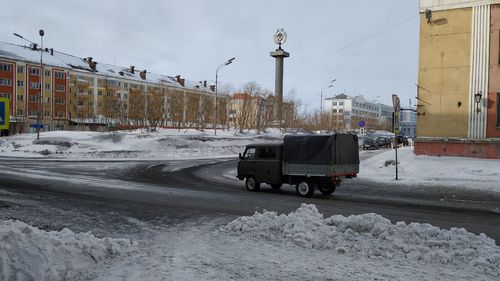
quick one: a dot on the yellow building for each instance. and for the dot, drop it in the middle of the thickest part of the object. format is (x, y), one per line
(456, 108)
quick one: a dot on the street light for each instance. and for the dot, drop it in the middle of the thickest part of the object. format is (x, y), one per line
(477, 99)
(326, 86)
(40, 97)
(229, 61)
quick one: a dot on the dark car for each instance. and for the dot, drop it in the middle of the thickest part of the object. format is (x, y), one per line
(402, 140)
(370, 144)
(383, 142)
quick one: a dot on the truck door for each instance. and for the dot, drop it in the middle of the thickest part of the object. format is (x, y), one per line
(268, 165)
(246, 166)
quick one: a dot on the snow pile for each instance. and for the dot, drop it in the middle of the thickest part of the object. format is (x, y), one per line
(28, 253)
(373, 236)
(162, 144)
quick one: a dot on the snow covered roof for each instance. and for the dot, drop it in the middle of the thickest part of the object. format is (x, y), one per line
(63, 60)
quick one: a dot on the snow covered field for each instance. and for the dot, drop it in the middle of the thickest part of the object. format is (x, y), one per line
(302, 245)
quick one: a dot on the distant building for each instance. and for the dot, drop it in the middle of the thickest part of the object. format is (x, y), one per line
(459, 78)
(346, 112)
(247, 111)
(408, 122)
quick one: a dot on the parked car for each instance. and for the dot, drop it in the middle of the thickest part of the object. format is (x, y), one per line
(383, 142)
(370, 144)
(401, 140)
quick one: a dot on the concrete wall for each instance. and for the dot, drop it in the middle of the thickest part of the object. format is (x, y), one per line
(444, 74)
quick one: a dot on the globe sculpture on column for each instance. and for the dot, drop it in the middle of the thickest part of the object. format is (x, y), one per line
(279, 54)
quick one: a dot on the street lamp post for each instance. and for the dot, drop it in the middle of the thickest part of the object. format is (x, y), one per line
(40, 97)
(326, 86)
(215, 105)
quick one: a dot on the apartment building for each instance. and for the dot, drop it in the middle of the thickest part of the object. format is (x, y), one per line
(69, 92)
(345, 112)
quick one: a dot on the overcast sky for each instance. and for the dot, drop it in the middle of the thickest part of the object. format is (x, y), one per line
(370, 47)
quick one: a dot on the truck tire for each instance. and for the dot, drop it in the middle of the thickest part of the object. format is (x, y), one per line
(304, 188)
(327, 189)
(251, 184)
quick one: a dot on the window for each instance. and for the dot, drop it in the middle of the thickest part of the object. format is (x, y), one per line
(341, 103)
(125, 85)
(34, 85)
(267, 152)
(80, 90)
(334, 103)
(89, 92)
(5, 67)
(125, 96)
(60, 101)
(47, 73)
(60, 114)
(5, 82)
(34, 98)
(118, 95)
(47, 113)
(20, 83)
(59, 75)
(33, 112)
(20, 69)
(99, 93)
(19, 97)
(19, 112)
(109, 94)
(498, 110)
(34, 71)
(80, 103)
(60, 88)
(250, 153)
(4, 95)
(47, 86)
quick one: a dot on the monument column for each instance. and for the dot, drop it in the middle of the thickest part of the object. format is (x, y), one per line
(279, 55)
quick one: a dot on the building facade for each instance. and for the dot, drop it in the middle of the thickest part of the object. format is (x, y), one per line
(408, 122)
(458, 81)
(345, 113)
(69, 92)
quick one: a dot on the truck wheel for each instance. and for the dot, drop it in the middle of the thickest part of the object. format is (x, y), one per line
(327, 189)
(251, 184)
(304, 189)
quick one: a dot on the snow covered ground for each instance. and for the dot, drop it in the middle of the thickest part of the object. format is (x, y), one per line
(171, 144)
(302, 245)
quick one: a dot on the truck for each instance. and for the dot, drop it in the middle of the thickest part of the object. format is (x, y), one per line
(310, 162)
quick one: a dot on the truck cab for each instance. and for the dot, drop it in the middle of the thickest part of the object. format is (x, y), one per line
(261, 163)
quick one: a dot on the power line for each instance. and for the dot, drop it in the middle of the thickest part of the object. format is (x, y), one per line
(370, 36)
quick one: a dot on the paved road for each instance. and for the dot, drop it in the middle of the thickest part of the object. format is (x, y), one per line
(112, 198)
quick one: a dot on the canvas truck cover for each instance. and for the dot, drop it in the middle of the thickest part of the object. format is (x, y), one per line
(336, 149)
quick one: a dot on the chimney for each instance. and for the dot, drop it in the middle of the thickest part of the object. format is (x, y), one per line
(132, 69)
(179, 80)
(212, 88)
(143, 74)
(205, 83)
(92, 64)
(51, 51)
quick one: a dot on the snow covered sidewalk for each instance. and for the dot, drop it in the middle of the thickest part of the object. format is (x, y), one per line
(461, 172)
(302, 245)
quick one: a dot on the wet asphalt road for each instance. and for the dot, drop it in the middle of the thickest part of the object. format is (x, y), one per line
(114, 198)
